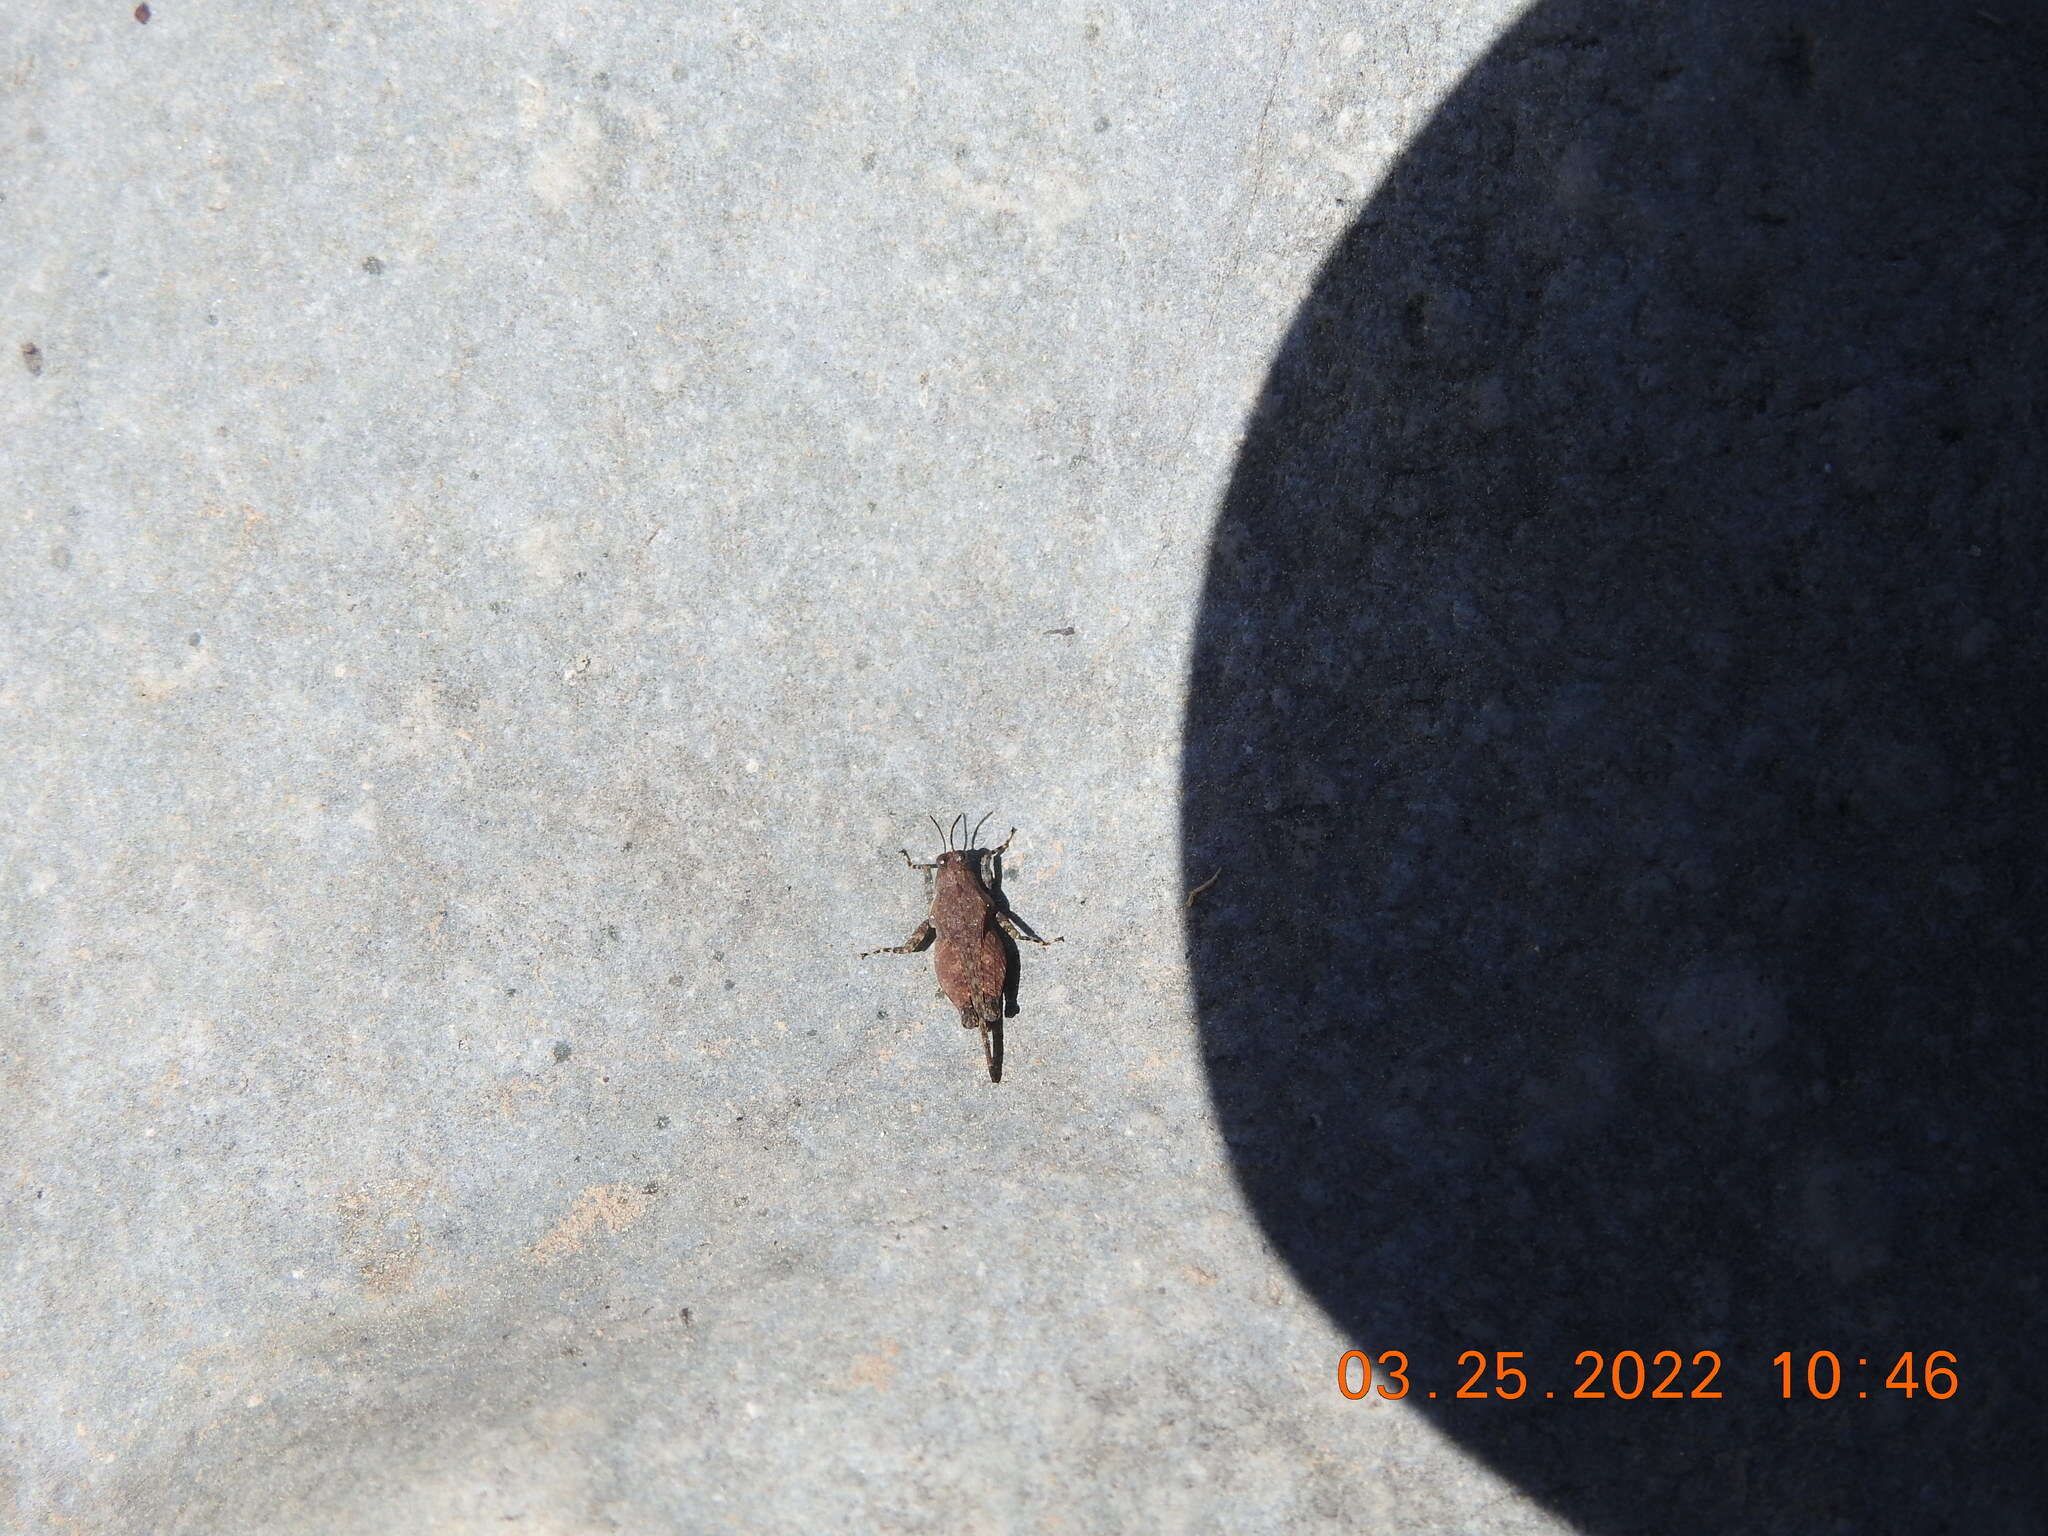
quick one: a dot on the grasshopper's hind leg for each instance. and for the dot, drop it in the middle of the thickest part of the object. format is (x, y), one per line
(1015, 927)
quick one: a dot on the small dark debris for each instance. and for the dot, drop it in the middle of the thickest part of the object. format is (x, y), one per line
(142, 14)
(373, 266)
(511, 991)
(1068, 630)
(32, 358)
(193, 641)
(661, 1122)
(651, 1188)
(728, 984)
(687, 1319)
(561, 1050)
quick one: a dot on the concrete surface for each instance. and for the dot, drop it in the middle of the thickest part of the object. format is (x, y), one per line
(513, 515)
(522, 512)
(1618, 707)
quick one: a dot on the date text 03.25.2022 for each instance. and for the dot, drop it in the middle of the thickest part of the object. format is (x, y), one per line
(1666, 1375)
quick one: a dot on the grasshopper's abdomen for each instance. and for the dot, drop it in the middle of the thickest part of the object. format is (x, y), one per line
(972, 971)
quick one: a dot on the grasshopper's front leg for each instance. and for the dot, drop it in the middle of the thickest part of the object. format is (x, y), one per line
(1012, 924)
(910, 946)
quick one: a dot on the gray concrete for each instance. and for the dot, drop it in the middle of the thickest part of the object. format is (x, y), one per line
(516, 514)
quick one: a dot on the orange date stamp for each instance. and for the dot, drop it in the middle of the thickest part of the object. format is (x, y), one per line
(1665, 1375)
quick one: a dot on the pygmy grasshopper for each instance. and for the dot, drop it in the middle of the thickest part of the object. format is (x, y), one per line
(967, 908)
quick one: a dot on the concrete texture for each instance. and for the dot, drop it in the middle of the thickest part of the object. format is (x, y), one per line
(521, 514)
(513, 515)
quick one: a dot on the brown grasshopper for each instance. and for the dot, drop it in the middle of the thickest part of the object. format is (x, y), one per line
(967, 908)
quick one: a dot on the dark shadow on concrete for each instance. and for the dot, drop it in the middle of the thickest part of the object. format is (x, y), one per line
(1619, 711)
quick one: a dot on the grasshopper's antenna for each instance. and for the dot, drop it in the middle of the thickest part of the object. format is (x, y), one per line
(938, 829)
(974, 838)
(958, 822)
